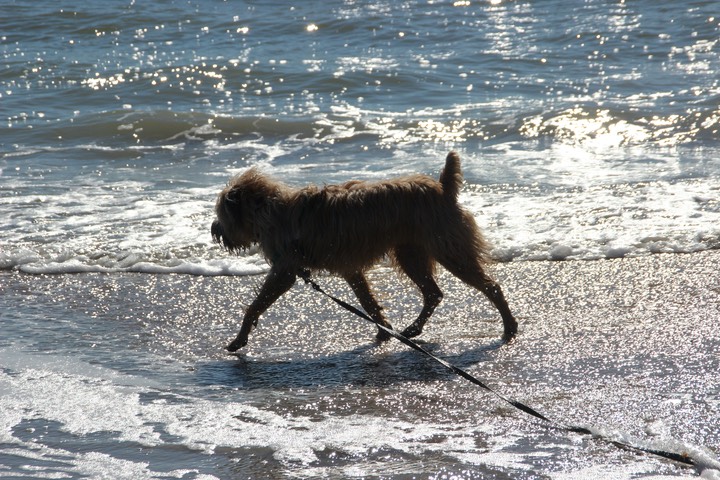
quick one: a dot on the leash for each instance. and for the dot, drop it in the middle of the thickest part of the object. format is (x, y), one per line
(677, 457)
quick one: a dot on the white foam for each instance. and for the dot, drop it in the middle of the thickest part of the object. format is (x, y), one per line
(86, 400)
(705, 462)
(170, 234)
(253, 265)
(90, 465)
(599, 221)
(586, 205)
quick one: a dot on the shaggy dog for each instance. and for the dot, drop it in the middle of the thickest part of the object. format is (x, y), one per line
(345, 229)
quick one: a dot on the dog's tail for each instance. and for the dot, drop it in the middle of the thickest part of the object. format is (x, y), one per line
(451, 177)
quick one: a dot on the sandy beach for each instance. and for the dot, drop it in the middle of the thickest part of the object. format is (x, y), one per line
(627, 346)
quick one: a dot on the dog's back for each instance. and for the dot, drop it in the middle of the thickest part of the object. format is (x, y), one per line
(353, 225)
(449, 184)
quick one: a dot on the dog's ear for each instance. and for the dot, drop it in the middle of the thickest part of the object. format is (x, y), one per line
(243, 201)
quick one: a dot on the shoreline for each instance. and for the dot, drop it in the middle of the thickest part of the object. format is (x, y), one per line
(537, 292)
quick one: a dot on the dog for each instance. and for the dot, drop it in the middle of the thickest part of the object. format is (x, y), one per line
(345, 229)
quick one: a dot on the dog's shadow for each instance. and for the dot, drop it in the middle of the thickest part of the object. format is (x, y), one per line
(369, 365)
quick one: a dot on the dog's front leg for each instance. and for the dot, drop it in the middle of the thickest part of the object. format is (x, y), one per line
(278, 281)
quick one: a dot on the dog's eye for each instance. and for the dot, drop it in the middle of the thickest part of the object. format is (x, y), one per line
(234, 196)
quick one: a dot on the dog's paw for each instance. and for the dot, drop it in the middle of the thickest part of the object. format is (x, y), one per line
(236, 344)
(382, 335)
(509, 336)
(511, 328)
(411, 331)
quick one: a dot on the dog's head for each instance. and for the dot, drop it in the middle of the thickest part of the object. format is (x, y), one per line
(242, 211)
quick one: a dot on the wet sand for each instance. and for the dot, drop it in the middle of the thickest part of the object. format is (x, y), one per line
(627, 345)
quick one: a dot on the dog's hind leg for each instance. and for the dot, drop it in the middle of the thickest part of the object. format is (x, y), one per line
(419, 267)
(469, 270)
(276, 283)
(361, 288)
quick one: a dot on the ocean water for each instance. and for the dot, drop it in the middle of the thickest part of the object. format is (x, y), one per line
(588, 130)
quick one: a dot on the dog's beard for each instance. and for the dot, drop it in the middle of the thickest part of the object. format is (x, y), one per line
(221, 238)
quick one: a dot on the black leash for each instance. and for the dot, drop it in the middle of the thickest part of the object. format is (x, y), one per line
(678, 457)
